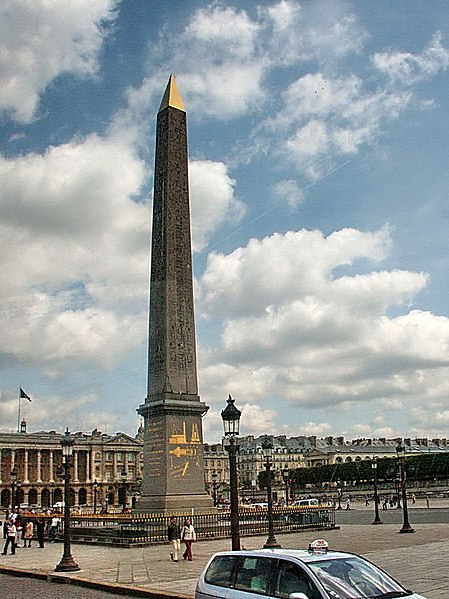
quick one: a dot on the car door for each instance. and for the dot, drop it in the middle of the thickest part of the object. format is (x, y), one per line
(253, 578)
(289, 577)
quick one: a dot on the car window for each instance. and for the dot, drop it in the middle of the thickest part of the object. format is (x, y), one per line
(291, 578)
(220, 570)
(353, 578)
(253, 574)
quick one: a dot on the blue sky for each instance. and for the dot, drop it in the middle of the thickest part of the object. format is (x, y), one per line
(318, 173)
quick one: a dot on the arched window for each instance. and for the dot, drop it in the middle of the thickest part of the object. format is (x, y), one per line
(348, 459)
(5, 498)
(45, 498)
(82, 496)
(32, 497)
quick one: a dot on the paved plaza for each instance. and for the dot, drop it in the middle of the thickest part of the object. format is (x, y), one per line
(417, 560)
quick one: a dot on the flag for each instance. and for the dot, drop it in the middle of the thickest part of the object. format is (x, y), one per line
(23, 395)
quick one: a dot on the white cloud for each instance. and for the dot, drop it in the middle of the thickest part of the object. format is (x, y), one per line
(290, 192)
(255, 420)
(292, 330)
(250, 279)
(329, 118)
(41, 40)
(212, 200)
(317, 30)
(407, 68)
(75, 252)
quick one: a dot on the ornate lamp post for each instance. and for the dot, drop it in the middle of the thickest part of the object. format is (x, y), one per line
(285, 473)
(13, 488)
(339, 494)
(67, 563)
(231, 421)
(400, 450)
(123, 475)
(95, 484)
(214, 487)
(267, 448)
(377, 519)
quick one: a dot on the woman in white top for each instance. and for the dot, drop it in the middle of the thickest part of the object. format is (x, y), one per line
(188, 535)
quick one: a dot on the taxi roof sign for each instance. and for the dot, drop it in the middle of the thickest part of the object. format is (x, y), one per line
(319, 546)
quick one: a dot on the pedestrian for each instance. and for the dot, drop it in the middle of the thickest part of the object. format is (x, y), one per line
(174, 537)
(28, 535)
(188, 535)
(40, 529)
(54, 528)
(5, 524)
(413, 498)
(19, 529)
(427, 502)
(348, 503)
(10, 538)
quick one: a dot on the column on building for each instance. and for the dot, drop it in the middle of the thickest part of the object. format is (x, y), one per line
(26, 477)
(38, 467)
(51, 475)
(75, 467)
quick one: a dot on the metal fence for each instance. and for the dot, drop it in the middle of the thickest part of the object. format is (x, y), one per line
(146, 529)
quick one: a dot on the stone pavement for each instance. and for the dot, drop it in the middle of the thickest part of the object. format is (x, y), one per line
(419, 560)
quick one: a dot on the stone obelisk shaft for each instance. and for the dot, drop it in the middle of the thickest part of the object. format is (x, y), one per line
(173, 475)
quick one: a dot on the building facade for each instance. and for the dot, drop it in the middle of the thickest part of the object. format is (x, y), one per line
(106, 469)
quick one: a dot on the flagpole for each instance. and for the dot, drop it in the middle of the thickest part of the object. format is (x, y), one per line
(18, 416)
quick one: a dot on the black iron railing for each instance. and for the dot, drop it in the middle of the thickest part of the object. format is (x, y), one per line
(145, 529)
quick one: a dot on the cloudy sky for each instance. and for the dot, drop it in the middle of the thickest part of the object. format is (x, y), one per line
(318, 139)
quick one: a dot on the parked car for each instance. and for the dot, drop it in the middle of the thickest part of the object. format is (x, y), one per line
(310, 501)
(315, 573)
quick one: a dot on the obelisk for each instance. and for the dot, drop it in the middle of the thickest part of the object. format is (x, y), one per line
(173, 476)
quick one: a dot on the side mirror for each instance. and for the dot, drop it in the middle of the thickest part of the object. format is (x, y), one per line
(298, 596)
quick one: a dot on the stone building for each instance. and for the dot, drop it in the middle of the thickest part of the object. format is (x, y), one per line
(104, 465)
(336, 450)
(107, 469)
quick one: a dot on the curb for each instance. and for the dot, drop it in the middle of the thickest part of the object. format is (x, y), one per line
(58, 578)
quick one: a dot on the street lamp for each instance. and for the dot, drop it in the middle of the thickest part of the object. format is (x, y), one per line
(124, 476)
(67, 563)
(285, 473)
(267, 448)
(214, 487)
(13, 488)
(377, 519)
(95, 483)
(339, 494)
(231, 421)
(400, 450)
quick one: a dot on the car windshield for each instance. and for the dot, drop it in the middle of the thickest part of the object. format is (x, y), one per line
(355, 578)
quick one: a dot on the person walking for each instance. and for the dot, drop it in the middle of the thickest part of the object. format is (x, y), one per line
(54, 528)
(10, 538)
(40, 529)
(18, 522)
(174, 537)
(28, 534)
(188, 535)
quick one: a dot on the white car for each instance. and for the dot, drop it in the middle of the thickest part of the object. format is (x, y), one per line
(315, 573)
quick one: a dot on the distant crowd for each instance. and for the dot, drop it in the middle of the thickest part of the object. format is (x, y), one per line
(19, 530)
